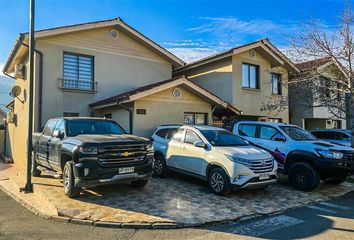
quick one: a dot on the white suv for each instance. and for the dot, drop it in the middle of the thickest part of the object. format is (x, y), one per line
(301, 155)
(213, 154)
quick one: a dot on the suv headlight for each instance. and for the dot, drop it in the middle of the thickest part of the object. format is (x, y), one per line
(238, 160)
(330, 154)
(88, 150)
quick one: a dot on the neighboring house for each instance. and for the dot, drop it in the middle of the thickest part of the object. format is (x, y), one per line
(301, 100)
(248, 77)
(3, 115)
(105, 69)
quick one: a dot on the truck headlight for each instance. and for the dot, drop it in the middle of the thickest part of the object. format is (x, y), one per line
(149, 148)
(88, 150)
(330, 154)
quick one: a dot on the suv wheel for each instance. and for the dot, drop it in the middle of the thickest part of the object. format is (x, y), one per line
(139, 183)
(68, 181)
(303, 176)
(35, 172)
(219, 181)
(160, 167)
(335, 180)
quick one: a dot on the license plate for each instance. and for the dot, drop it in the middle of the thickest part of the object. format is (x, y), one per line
(126, 170)
(264, 176)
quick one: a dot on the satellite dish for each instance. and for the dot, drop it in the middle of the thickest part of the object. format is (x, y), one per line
(16, 91)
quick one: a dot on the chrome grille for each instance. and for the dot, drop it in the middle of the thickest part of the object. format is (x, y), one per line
(121, 154)
(261, 166)
(348, 156)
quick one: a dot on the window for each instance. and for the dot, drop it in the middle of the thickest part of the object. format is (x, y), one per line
(298, 134)
(178, 135)
(78, 71)
(276, 83)
(171, 133)
(268, 133)
(191, 137)
(107, 115)
(247, 130)
(223, 138)
(88, 126)
(70, 114)
(250, 76)
(195, 118)
(49, 128)
(162, 132)
(325, 86)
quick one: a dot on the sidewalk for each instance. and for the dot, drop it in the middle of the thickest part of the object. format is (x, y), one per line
(163, 203)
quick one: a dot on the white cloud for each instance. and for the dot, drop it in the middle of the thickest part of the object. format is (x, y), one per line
(192, 54)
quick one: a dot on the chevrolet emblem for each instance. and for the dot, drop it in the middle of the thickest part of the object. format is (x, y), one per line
(125, 154)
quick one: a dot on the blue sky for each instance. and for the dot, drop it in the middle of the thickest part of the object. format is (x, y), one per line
(189, 28)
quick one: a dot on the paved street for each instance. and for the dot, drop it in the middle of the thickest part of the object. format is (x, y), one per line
(326, 220)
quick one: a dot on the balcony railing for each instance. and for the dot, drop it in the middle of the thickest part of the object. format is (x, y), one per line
(67, 84)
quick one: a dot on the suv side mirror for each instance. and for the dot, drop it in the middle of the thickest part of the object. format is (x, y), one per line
(58, 134)
(199, 144)
(280, 138)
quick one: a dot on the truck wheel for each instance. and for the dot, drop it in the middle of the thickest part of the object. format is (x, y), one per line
(35, 172)
(219, 181)
(68, 181)
(335, 180)
(160, 168)
(139, 183)
(303, 176)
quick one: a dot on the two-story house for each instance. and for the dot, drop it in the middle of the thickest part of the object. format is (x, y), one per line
(307, 108)
(248, 76)
(105, 69)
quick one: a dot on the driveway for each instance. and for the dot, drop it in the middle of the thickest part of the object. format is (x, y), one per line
(175, 200)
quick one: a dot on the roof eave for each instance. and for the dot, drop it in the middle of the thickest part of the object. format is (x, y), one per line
(13, 52)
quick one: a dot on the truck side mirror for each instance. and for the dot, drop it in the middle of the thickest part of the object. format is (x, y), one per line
(58, 134)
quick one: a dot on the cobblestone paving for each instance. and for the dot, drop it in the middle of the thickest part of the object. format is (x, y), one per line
(178, 200)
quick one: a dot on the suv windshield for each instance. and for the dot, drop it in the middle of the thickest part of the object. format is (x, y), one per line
(298, 134)
(222, 138)
(87, 126)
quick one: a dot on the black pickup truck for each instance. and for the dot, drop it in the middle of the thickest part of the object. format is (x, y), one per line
(87, 152)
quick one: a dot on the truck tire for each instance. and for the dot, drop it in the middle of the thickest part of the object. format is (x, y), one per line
(34, 171)
(219, 181)
(160, 167)
(139, 183)
(69, 181)
(303, 176)
(334, 180)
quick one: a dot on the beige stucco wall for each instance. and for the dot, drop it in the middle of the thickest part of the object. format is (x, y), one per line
(224, 78)
(163, 108)
(120, 65)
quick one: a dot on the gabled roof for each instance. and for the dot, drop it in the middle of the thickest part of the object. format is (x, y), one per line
(150, 89)
(313, 64)
(93, 25)
(263, 44)
(2, 112)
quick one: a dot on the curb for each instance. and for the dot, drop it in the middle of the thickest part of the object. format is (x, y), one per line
(137, 225)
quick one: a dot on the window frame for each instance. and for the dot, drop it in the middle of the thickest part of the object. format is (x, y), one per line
(279, 83)
(249, 65)
(206, 118)
(185, 135)
(78, 69)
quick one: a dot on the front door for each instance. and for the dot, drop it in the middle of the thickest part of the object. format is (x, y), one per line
(193, 157)
(44, 143)
(55, 144)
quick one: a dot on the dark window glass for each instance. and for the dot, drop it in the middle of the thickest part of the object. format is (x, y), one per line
(171, 133)
(250, 76)
(78, 71)
(222, 138)
(86, 126)
(162, 132)
(298, 134)
(247, 130)
(195, 118)
(268, 133)
(178, 136)
(49, 128)
(60, 127)
(276, 83)
(191, 137)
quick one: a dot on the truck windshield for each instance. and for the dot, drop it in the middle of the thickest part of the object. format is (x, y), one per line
(298, 134)
(222, 138)
(87, 126)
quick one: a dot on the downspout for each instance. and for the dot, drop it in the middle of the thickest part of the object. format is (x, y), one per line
(130, 117)
(40, 87)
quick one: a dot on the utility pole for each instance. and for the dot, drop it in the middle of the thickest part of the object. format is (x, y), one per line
(29, 188)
